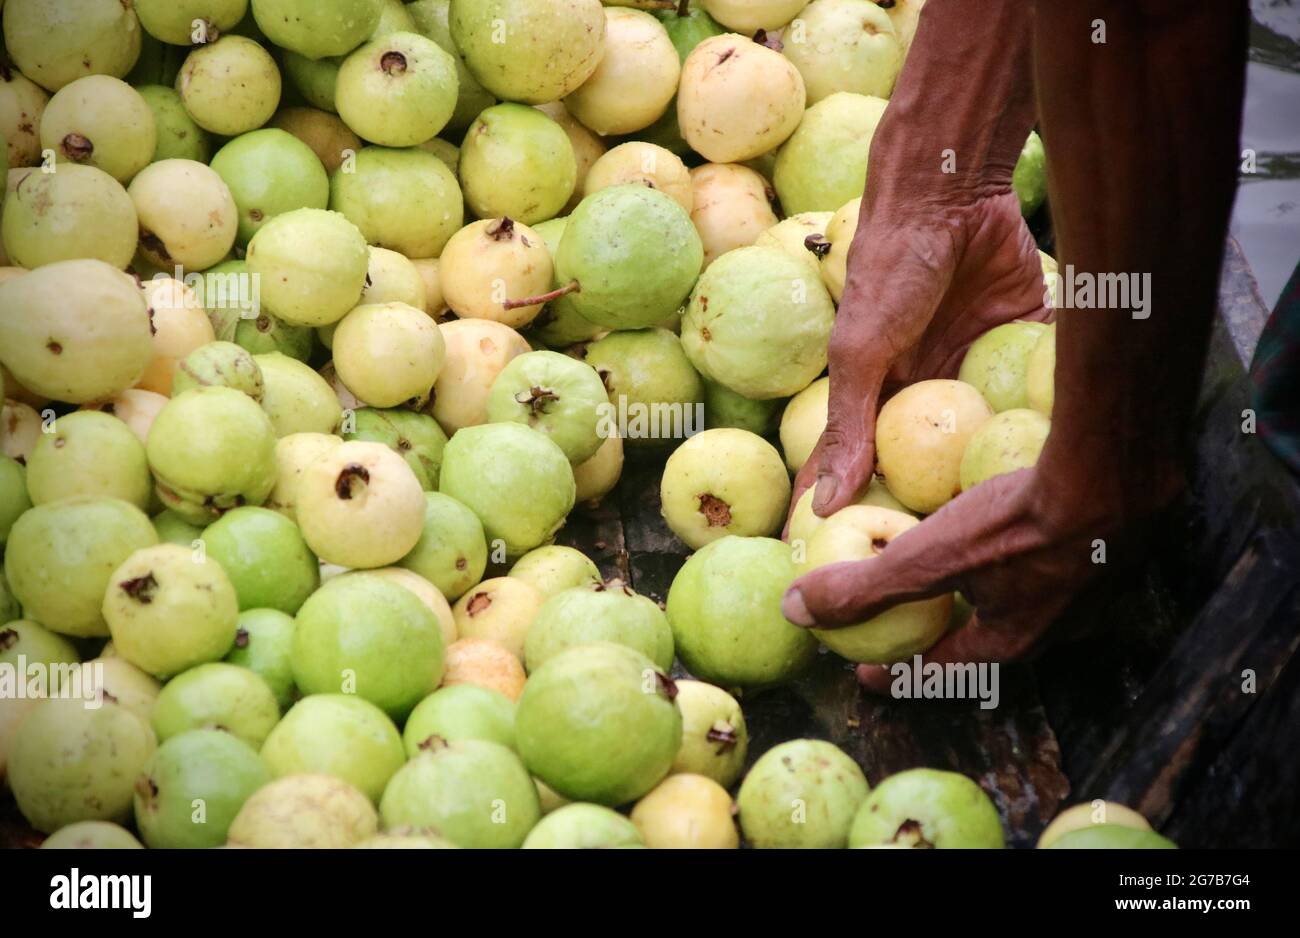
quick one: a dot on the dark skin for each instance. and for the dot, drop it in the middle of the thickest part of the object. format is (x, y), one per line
(1142, 132)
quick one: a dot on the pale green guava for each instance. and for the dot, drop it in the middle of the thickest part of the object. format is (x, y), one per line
(635, 80)
(295, 397)
(340, 735)
(77, 213)
(316, 29)
(404, 200)
(997, 363)
(430, 17)
(725, 408)
(1004, 443)
(92, 835)
(927, 808)
(802, 794)
(389, 354)
(218, 696)
(725, 611)
(461, 711)
(176, 134)
(1113, 837)
(1040, 372)
(715, 739)
(266, 558)
(759, 322)
(598, 723)
(601, 613)
(1029, 180)
(270, 172)
(193, 787)
(824, 163)
(175, 23)
(649, 377)
(315, 79)
(122, 683)
(311, 264)
(38, 645)
(845, 45)
(89, 453)
(803, 423)
(188, 217)
(518, 163)
(304, 812)
(559, 324)
(100, 121)
(54, 42)
(232, 298)
(264, 645)
(223, 364)
(452, 550)
(555, 568)
(415, 437)
(14, 498)
(583, 827)
(792, 235)
(398, 90)
(405, 842)
(22, 102)
(173, 529)
(804, 521)
(554, 395)
(230, 87)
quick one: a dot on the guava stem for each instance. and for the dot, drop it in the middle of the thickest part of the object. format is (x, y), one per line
(817, 244)
(393, 63)
(571, 287)
(684, 8)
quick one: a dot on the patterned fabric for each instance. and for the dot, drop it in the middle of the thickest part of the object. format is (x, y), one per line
(1275, 373)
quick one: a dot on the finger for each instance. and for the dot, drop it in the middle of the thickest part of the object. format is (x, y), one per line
(848, 444)
(803, 480)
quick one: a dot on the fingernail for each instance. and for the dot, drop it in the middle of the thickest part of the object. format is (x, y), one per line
(794, 609)
(826, 486)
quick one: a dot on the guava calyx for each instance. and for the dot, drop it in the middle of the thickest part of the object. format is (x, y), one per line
(909, 834)
(503, 230)
(764, 38)
(77, 147)
(432, 742)
(154, 245)
(241, 638)
(142, 588)
(479, 602)
(537, 398)
(571, 287)
(8, 638)
(351, 481)
(724, 734)
(392, 63)
(715, 510)
(818, 244)
(666, 685)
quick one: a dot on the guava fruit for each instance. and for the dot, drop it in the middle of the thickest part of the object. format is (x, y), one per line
(9, 607)
(723, 482)
(1040, 372)
(405, 842)
(220, 364)
(583, 827)
(446, 151)
(1029, 180)
(844, 45)
(79, 212)
(173, 529)
(804, 521)
(22, 104)
(167, 613)
(178, 23)
(304, 812)
(317, 29)
(91, 835)
(687, 26)
(428, 594)
(296, 398)
(516, 162)
(792, 235)
(635, 79)
(60, 556)
(477, 350)
(158, 64)
(180, 326)
(839, 234)
(738, 99)
(803, 422)
(687, 812)
(122, 683)
(187, 215)
(529, 50)
(340, 735)
(553, 569)
(643, 164)
(1004, 443)
(229, 87)
(211, 449)
(451, 552)
(431, 19)
(1088, 815)
(647, 374)
(270, 172)
(22, 428)
(1113, 837)
(100, 121)
(860, 532)
(363, 634)
(293, 454)
(517, 481)
(715, 740)
(634, 255)
(329, 138)
(315, 79)
(725, 611)
(500, 610)
(746, 16)
(389, 354)
(921, 434)
(484, 663)
(263, 645)
(135, 407)
(415, 437)
(596, 478)
(474, 792)
(312, 266)
(266, 558)
(759, 323)
(494, 269)
(927, 808)
(71, 763)
(89, 453)
(37, 645)
(801, 794)
(824, 163)
(404, 200)
(732, 207)
(555, 395)
(14, 498)
(54, 42)
(601, 613)
(232, 297)
(192, 788)
(463, 711)
(579, 714)
(393, 278)
(398, 90)
(997, 363)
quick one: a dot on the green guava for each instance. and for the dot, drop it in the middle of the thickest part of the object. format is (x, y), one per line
(452, 550)
(517, 481)
(715, 739)
(997, 363)
(518, 163)
(193, 787)
(216, 696)
(1004, 443)
(687, 812)
(89, 453)
(232, 298)
(389, 354)
(1029, 180)
(340, 735)
(315, 79)
(461, 711)
(264, 645)
(555, 395)
(79, 212)
(635, 80)
(9, 607)
(600, 613)
(295, 397)
(366, 635)
(178, 23)
(173, 529)
(446, 151)
(100, 121)
(405, 842)
(845, 45)
(316, 29)
(266, 558)
(723, 482)
(91, 835)
(188, 217)
(270, 172)
(222, 364)
(398, 90)
(583, 827)
(54, 42)
(60, 557)
(159, 63)
(687, 26)
(649, 377)
(724, 408)
(532, 51)
(598, 723)
(803, 422)
(927, 808)
(72, 763)
(802, 794)
(311, 264)
(404, 200)
(824, 163)
(303, 812)
(475, 793)
(1088, 814)
(1040, 372)
(212, 449)
(229, 87)
(555, 568)
(634, 254)
(1112, 837)
(431, 19)
(415, 437)
(725, 611)
(759, 322)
